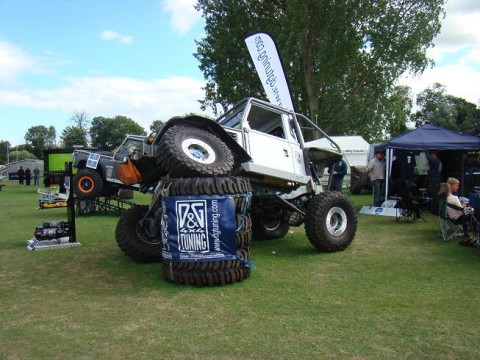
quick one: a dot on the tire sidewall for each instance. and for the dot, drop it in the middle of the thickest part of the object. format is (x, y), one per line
(133, 240)
(323, 210)
(178, 163)
(90, 176)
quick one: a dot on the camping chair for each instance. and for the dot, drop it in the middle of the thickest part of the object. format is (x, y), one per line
(408, 206)
(448, 228)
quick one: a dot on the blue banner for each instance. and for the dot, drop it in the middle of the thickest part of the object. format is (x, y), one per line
(198, 228)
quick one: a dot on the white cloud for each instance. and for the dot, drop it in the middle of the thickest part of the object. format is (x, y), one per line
(456, 53)
(460, 80)
(110, 35)
(143, 101)
(13, 61)
(182, 14)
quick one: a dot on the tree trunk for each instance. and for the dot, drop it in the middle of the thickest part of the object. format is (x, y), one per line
(308, 58)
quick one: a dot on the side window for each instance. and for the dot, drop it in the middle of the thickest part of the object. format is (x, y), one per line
(266, 121)
(291, 127)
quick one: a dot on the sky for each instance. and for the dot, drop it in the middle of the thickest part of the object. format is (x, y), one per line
(135, 58)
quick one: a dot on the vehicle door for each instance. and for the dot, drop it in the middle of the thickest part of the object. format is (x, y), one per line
(272, 144)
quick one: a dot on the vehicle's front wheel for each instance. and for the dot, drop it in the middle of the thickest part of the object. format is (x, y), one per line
(190, 152)
(330, 222)
(139, 240)
(87, 184)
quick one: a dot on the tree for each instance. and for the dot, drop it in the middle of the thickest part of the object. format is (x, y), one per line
(4, 151)
(156, 124)
(437, 107)
(342, 58)
(40, 138)
(17, 155)
(80, 119)
(108, 133)
(73, 135)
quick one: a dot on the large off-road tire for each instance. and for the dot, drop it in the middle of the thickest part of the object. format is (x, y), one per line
(228, 185)
(189, 152)
(268, 228)
(199, 278)
(358, 179)
(88, 184)
(330, 222)
(214, 272)
(138, 241)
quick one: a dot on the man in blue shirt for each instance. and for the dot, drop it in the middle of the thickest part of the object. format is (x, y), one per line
(338, 169)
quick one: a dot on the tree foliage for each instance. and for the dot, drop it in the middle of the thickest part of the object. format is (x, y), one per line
(108, 133)
(4, 151)
(74, 135)
(342, 58)
(17, 155)
(437, 107)
(156, 124)
(41, 138)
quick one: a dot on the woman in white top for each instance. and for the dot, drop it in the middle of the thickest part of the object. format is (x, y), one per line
(456, 215)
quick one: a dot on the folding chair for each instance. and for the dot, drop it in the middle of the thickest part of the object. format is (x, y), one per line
(448, 229)
(408, 206)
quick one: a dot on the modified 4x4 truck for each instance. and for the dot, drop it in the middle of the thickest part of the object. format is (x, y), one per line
(97, 170)
(259, 141)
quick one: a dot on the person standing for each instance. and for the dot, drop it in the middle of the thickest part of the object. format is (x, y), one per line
(28, 176)
(21, 175)
(376, 170)
(36, 175)
(434, 171)
(338, 169)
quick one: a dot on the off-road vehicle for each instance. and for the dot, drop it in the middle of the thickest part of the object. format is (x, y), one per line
(263, 143)
(97, 169)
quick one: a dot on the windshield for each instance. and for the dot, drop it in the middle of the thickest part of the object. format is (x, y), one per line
(233, 117)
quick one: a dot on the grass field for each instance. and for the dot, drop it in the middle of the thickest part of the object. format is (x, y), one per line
(398, 292)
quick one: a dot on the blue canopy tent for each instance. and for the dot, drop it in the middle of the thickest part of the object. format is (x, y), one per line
(427, 137)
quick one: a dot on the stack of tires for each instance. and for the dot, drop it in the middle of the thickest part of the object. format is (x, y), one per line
(198, 164)
(206, 272)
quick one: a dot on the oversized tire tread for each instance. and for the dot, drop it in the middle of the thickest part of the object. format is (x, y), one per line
(331, 222)
(132, 238)
(228, 185)
(183, 153)
(243, 255)
(205, 278)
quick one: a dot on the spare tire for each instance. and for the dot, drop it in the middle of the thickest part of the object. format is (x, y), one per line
(87, 184)
(188, 151)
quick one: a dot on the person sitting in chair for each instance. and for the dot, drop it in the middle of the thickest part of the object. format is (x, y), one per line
(457, 213)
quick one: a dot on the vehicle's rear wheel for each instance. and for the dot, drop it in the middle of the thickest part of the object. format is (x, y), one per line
(268, 228)
(139, 240)
(87, 184)
(358, 179)
(330, 222)
(189, 152)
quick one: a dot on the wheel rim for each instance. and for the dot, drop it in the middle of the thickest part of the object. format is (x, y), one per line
(144, 236)
(85, 184)
(198, 151)
(271, 224)
(336, 221)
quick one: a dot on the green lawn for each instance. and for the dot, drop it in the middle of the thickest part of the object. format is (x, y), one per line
(397, 292)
